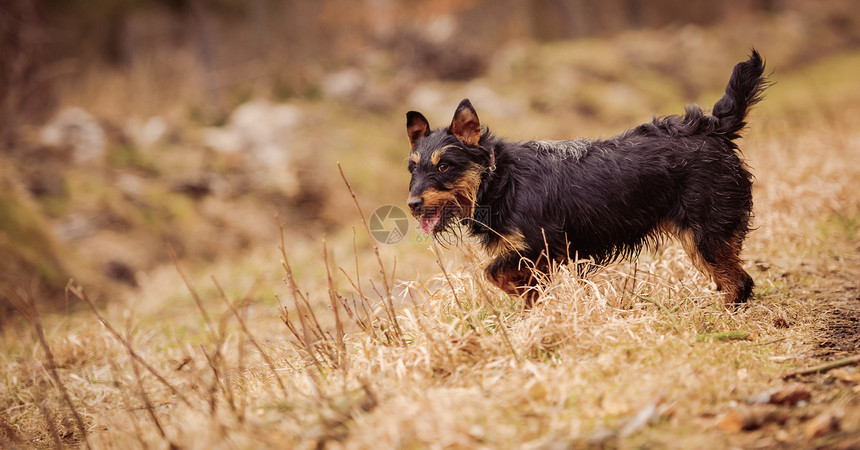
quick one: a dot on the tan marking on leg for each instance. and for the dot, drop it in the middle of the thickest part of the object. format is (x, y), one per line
(516, 276)
(517, 281)
(507, 243)
(729, 272)
(688, 241)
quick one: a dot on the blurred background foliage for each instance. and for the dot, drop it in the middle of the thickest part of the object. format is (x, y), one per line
(128, 124)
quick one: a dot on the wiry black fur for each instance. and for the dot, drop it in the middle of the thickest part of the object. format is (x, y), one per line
(604, 199)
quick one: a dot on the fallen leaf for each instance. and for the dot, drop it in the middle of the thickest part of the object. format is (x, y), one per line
(751, 418)
(822, 423)
(731, 422)
(789, 394)
(845, 375)
(644, 416)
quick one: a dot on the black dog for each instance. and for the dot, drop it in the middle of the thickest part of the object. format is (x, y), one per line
(598, 199)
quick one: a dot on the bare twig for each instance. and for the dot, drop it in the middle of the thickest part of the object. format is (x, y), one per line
(240, 369)
(305, 338)
(193, 291)
(147, 403)
(447, 278)
(388, 298)
(357, 272)
(772, 341)
(824, 367)
(227, 385)
(50, 420)
(308, 336)
(485, 296)
(27, 299)
(80, 294)
(263, 354)
(138, 433)
(365, 323)
(332, 293)
(393, 271)
(213, 361)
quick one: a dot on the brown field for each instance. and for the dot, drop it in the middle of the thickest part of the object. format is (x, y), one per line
(309, 337)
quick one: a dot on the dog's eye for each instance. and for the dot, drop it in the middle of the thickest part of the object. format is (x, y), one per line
(442, 167)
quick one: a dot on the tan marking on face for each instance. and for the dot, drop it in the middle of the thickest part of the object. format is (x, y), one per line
(415, 157)
(434, 198)
(460, 194)
(466, 188)
(436, 156)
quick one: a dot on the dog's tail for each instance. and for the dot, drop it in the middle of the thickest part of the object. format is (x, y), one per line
(743, 91)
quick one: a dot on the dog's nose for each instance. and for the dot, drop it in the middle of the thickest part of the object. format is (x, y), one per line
(415, 204)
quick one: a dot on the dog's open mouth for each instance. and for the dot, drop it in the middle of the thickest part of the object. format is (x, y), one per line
(431, 219)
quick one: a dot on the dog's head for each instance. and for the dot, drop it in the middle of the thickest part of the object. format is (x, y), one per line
(447, 166)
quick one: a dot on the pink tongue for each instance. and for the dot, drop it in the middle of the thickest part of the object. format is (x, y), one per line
(428, 223)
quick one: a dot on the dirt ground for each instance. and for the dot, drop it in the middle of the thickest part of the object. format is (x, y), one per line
(830, 416)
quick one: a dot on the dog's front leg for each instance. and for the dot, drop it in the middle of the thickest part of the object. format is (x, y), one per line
(510, 274)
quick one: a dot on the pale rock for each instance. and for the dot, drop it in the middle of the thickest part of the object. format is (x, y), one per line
(80, 132)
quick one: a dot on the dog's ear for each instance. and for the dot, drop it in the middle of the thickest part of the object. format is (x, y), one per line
(466, 126)
(416, 127)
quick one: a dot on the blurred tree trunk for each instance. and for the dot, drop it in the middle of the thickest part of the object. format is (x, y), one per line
(25, 90)
(201, 27)
(260, 24)
(115, 44)
(633, 8)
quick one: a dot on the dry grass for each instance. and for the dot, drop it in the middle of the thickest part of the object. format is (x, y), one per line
(363, 359)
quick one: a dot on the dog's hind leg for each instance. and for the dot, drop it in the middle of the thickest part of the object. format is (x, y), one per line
(720, 260)
(729, 273)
